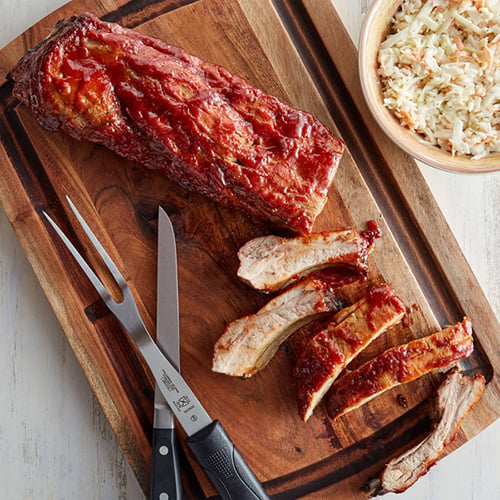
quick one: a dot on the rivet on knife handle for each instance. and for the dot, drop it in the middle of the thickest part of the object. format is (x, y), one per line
(224, 465)
(165, 476)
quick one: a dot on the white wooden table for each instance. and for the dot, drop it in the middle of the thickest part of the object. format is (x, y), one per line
(55, 442)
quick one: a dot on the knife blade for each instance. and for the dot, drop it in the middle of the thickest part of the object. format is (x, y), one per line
(207, 438)
(166, 474)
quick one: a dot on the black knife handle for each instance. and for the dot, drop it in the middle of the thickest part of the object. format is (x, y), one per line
(166, 474)
(224, 465)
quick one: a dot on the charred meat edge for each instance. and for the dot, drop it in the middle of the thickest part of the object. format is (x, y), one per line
(249, 343)
(269, 263)
(400, 365)
(333, 348)
(455, 398)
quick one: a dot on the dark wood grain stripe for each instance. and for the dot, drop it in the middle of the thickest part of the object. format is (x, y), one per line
(22, 153)
(376, 172)
(137, 12)
(378, 448)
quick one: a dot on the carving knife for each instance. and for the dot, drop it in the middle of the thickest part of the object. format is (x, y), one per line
(165, 475)
(207, 438)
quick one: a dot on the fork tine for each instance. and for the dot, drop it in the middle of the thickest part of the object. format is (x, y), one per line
(115, 272)
(126, 310)
(81, 261)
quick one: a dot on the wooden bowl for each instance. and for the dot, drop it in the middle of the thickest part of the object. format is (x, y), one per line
(375, 29)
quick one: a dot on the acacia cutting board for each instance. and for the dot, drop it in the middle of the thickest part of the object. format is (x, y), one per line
(301, 53)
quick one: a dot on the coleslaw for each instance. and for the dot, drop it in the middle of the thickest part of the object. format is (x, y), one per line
(440, 73)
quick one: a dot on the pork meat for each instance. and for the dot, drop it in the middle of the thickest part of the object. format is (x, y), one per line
(269, 263)
(194, 121)
(249, 343)
(400, 365)
(456, 396)
(330, 350)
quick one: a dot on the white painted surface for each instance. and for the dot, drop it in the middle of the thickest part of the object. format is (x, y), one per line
(54, 440)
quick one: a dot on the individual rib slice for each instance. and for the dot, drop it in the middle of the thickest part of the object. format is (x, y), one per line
(203, 127)
(330, 350)
(400, 365)
(270, 262)
(249, 343)
(456, 396)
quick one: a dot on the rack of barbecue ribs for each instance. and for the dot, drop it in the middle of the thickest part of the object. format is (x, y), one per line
(203, 127)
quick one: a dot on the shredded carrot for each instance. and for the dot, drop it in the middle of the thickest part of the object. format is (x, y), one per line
(408, 119)
(489, 57)
(458, 43)
(488, 138)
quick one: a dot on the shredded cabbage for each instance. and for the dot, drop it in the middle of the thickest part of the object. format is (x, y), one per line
(440, 73)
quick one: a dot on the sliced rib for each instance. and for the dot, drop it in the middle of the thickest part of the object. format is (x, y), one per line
(269, 263)
(330, 350)
(456, 396)
(400, 365)
(249, 343)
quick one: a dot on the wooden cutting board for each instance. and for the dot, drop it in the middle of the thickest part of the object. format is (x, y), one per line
(300, 52)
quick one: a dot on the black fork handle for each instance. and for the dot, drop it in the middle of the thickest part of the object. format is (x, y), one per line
(224, 465)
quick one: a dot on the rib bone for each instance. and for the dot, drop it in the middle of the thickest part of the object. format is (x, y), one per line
(249, 343)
